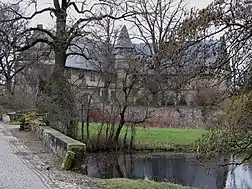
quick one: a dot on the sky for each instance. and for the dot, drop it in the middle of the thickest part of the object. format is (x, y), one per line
(199, 3)
(46, 19)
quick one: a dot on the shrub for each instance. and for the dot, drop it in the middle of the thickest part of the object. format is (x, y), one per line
(207, 96)
(25, 120)
(236, 112)
(235, 138)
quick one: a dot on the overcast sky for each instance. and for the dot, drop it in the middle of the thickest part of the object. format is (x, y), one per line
(199, 3)
(46, 20)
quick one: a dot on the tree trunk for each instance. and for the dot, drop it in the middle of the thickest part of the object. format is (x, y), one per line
(82, 122)
(9, 86)
(125, 137)
(154, 100)
(98, 136)
(87, 122)
(121, 124)
(133, 134)
(61, 104)
(61, 41)
(118, 131)
(60, 60)
(60, 93)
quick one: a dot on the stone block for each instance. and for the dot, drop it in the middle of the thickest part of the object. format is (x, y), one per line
(68, 160)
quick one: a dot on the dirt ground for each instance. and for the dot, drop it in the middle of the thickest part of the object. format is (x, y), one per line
(51, 161)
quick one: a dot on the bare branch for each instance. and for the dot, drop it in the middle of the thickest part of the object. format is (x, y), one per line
(20, 16)
(38, 40)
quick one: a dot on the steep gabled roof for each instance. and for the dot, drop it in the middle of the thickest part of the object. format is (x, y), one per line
(124, 40)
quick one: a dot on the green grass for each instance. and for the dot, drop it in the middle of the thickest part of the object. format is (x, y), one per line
(176, 136)
(155, 138)
(137, 184)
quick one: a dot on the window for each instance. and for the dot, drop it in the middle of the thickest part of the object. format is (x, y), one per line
(104, 95)
(92, 77)
(85, 99)
(113, 96)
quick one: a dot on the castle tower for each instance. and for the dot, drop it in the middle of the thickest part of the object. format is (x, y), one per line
(123, 52)
(126, 62)
(123, 48)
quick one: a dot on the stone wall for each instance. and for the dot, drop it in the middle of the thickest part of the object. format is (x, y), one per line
(183, 117)
(167, 117)
(59, 143)
(176, 117)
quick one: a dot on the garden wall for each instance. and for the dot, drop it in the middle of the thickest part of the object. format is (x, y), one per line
(178, 117)
(59, 143)
(168, 117)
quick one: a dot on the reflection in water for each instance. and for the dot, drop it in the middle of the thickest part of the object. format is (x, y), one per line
(180, 169)
(239, 177)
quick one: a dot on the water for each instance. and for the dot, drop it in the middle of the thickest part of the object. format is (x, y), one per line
(177, 168)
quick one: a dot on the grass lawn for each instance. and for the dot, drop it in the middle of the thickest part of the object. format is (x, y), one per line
(155, 138)
(137, 184)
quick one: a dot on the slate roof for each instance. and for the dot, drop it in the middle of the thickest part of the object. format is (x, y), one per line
(144, 49)
(124, 41)
(95, 52)
(200, 57)
(205, 52)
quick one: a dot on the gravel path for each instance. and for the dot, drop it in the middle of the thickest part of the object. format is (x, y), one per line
(26, 163)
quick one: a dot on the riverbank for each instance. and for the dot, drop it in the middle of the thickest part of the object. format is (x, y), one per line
(137, 184)
(151, 139)
(146, 138)
(49, 163)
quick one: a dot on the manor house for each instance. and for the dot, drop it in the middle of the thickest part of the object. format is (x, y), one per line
(97, 77)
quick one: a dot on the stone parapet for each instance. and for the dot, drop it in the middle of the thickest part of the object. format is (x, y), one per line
(59, 143)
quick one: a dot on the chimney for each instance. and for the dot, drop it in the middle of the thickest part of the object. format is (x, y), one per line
(38, 33)
(40, 26)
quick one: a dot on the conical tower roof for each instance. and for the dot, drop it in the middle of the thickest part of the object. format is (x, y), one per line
(124, 41)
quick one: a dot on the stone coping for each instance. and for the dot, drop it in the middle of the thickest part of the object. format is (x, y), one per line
(58, 142)
(72, 143)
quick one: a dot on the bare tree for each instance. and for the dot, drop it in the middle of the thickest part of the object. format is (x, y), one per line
(105, 34)
(9, 55)
(157, 24)
(118, 112)
(60, 40)
(229, 19)
(232, 20)
(130, 87)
